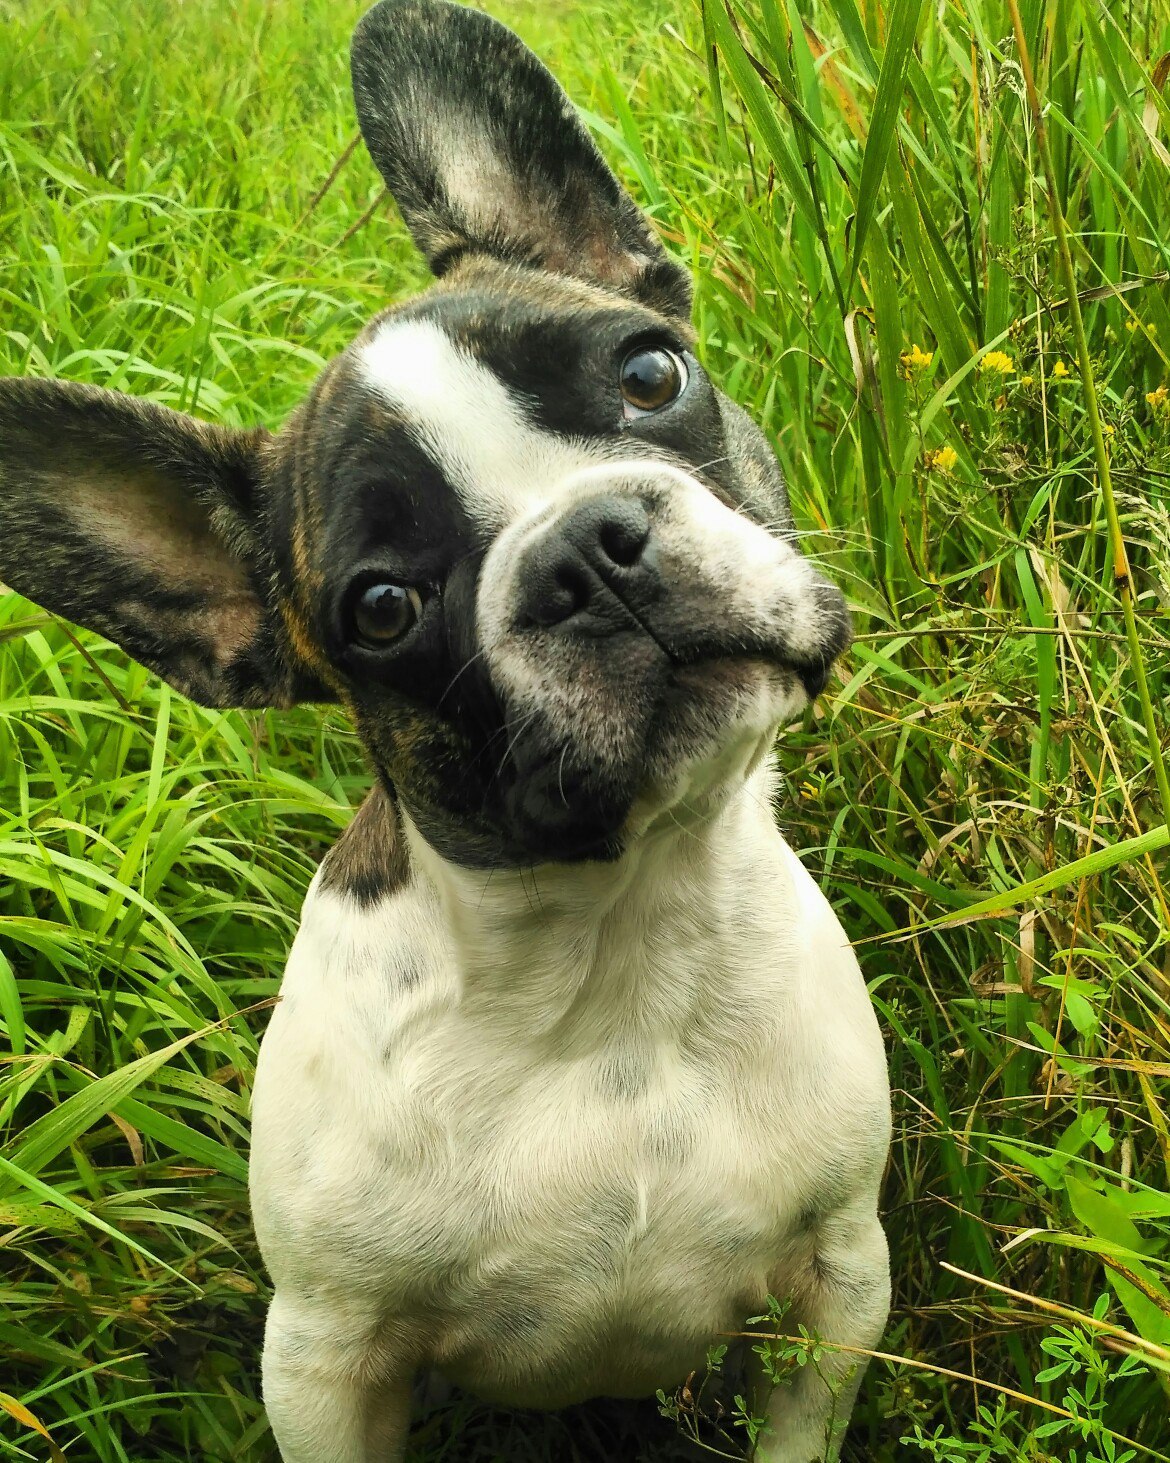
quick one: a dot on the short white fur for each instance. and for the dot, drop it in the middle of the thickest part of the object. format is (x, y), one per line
(477, 432)
(554, 1141)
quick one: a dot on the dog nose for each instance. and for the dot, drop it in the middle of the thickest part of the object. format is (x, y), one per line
(588, 565)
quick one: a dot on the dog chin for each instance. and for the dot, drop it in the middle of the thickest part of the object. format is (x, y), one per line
(557, 814)
(722, 723)
(717, 723)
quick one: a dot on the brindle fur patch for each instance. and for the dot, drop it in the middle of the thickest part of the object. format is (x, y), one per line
(153, 539)
(370, 860)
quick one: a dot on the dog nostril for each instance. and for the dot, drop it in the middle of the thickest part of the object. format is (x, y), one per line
(623, 539)
(572, 587)
(561, 595)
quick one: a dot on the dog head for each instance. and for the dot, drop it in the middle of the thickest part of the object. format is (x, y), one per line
(549, 569)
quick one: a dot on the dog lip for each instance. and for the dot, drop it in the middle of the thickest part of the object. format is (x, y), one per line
(813, 672)
(814, 677)
(813, 667)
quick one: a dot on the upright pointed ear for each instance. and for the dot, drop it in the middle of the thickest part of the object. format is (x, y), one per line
(141, 523)
(483, 153)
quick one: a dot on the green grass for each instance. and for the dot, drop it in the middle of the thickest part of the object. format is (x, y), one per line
(980, 791)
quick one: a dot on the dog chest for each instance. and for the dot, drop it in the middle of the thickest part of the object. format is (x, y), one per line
(624, 1183)
(525, 1222)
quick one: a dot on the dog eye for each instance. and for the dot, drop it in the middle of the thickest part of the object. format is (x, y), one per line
(383, 613)
(650, 380)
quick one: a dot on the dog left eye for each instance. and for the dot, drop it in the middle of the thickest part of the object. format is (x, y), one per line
(650, 380)
(383, 613)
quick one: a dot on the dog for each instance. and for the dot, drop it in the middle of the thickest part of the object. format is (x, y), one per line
(573, 1065)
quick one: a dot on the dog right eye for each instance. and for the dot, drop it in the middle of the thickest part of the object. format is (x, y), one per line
(383, 613)
(651, 378)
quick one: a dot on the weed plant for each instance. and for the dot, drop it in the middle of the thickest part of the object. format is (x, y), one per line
(932, 258)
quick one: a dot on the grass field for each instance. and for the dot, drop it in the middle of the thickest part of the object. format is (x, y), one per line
(955, 325)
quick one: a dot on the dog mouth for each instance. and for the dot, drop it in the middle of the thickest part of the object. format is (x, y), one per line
(703, 654)
(602, 696)
(565, 801)
(604, 754)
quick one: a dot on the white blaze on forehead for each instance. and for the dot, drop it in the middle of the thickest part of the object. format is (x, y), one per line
(479, 433)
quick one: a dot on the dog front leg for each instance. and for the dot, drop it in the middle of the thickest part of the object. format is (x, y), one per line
(844, 1298)
(330, 1398)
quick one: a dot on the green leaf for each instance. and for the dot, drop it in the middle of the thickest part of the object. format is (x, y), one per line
(903, 20)
(54, 1132)
(1102, 1217)
(761, 108)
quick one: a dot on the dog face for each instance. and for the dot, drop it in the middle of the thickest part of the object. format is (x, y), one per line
(549, 569)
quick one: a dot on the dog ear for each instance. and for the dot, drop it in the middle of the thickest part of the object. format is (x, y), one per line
(140, 523)
(484, 153)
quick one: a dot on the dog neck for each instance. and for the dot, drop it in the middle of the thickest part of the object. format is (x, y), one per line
(578, 951)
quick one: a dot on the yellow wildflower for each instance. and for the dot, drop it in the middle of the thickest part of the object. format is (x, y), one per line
(1131, 325)
(914, 362)
(1159, 400)
(1059, 371)
(943, 459)
(1108, 429)
(1027, 380)
(998, 362)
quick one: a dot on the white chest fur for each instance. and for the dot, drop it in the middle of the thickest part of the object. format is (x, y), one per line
(553, 1139)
